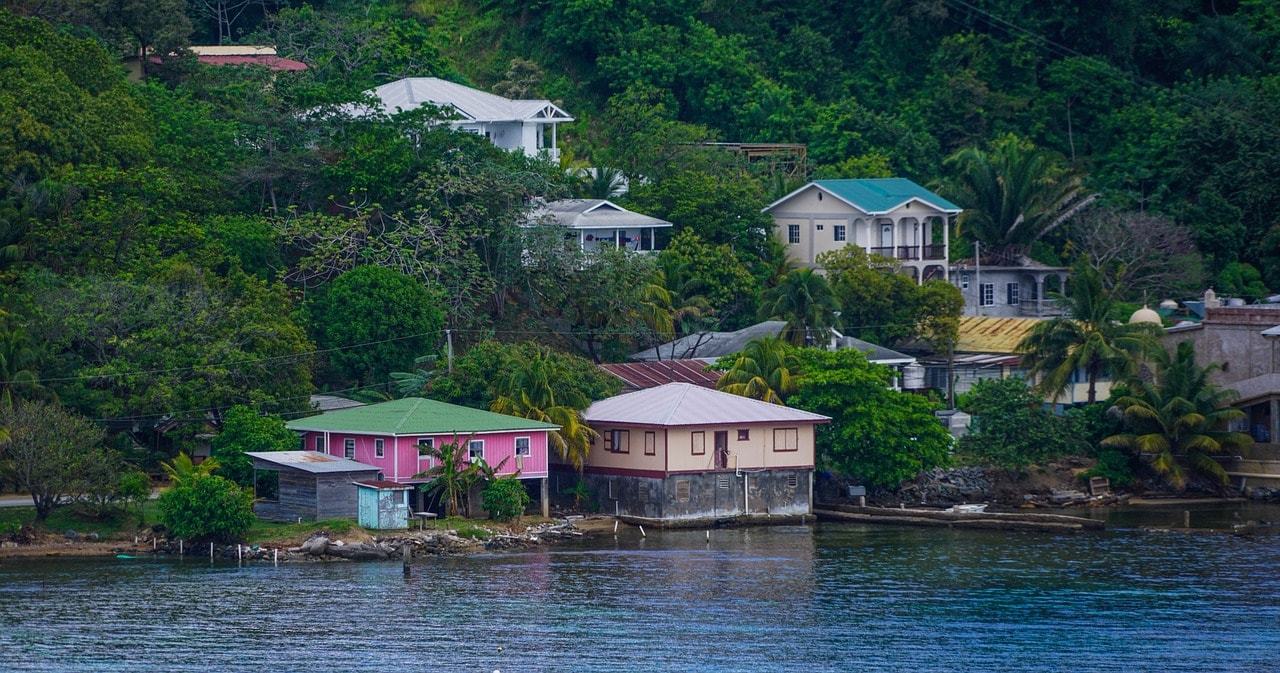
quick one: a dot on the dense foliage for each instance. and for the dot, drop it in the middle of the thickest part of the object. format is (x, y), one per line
(245, 430)
(208, 508)
(877, 435)
(1011, 427)
(504, 498)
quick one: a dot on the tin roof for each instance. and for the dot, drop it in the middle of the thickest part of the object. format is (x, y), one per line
(654, 373)
(333, 403)
(712, 345)
(411, 93)
(595, 214)
(876, 196)
(383, 485)
(310, 461)
(982, 334)
(415, 416)
(682, 404)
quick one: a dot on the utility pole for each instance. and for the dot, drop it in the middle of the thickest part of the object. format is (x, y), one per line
(448, 351)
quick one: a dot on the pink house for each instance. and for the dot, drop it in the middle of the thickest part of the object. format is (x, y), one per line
(388, 435)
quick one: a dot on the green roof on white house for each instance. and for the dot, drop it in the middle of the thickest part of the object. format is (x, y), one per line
(415, 416)
(877, 195)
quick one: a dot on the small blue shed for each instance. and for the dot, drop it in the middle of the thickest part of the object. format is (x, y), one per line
(384, 505)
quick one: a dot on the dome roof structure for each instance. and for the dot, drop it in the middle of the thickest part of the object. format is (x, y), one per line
(1145, 314)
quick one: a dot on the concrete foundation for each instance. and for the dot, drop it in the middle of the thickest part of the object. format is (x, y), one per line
(686, 499)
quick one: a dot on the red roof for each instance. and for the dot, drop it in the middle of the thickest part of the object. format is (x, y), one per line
(271, 62)
(653, 373)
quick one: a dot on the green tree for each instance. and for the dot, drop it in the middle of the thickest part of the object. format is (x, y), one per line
(1011, 428)
(19, 365)
(540, 388)
(1180, 420)
(1013, 194)
(374, 320)
(55, 455)
(803, 298)
(245, 430)
(210, 508)
(1089, 339)
(724, 281)
(765, 370)
(877, 435)
(134, 488)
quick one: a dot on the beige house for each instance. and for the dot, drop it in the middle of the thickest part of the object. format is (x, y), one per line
(892, 217)
(681, 453)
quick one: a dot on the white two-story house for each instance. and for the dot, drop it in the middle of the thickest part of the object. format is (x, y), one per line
(526, 125)
(893, 217)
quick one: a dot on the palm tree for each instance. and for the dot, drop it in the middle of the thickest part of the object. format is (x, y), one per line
(539, 388)
(1012, 194)
(764, 370)
(686, 309)
(804, 299)
(1088, 339)
(19, 361)
(600, 182)
(1181, 418)
(182, 471)
(451, 474)
(416, 381)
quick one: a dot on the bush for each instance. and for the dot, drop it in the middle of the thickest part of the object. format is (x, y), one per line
(1012, 429)
(505, 498)
(1114, 466)
(210, 508)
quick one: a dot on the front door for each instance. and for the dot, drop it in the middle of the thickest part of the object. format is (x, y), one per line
(722, 449)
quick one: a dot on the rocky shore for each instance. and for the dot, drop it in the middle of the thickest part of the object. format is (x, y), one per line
(320, 546)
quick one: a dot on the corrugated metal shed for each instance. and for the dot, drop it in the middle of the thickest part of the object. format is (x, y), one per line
(678, 404)
(309, 461)
(641, 375)
(981, 334)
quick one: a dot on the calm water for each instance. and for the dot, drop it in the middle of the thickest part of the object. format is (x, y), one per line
(826, 598)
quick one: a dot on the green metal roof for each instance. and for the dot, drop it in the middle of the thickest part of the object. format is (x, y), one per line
(881, 195)
(415, 416)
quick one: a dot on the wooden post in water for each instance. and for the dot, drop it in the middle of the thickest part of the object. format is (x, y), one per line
(180, 550)
(1186, 518)
(404, 556)
(211, 552)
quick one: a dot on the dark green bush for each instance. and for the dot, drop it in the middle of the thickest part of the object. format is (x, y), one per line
(210, 508)
(505, 498)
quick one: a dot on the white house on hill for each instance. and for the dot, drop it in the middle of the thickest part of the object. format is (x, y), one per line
(892, 217)
(526, 125)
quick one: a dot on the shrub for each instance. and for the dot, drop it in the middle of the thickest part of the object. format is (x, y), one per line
(1012, 429)
(209, 508)
(505, 498)
(1114, 466)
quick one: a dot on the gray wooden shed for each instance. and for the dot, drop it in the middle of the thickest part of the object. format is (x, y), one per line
(313, 485)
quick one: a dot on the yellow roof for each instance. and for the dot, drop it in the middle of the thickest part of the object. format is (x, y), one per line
(981, 334)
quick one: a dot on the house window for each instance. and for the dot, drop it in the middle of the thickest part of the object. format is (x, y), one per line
(650, 443)
(425, 444)
(378, 448)
(608, 440)
(744, 435)
(839, 232)
(1011, 292)
(964, 281)
(986, 294)
(522, 446)
(621, 441)
(475, 450)
(349, 448)
(786, 439)
(820, 227)
(698, 443)
(793, 234)
(320, 443)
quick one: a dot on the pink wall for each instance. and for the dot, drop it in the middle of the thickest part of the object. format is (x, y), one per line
(401, 461)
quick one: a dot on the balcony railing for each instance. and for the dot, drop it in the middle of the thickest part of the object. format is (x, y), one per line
(912, 253)
(1046, 308)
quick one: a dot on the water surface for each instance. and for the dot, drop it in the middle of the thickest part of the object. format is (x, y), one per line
(833, 597)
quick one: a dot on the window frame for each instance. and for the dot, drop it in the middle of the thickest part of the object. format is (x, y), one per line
(320, 444)
(1012, 292)
(786, 433)
(793, 234)
(838, 233)
(472, 448)
(986, 294)
(744, 434)
(349, 448)
(379, 448)
(528, 447)
(698, 443)
(650, 443)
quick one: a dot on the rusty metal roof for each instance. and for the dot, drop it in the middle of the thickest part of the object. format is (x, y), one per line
(981, 334)
(641, 375)
(384, 485)
(308, 461)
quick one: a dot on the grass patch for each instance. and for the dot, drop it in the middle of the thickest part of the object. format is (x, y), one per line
(266, 531)
(466, 528)
(116, 524)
